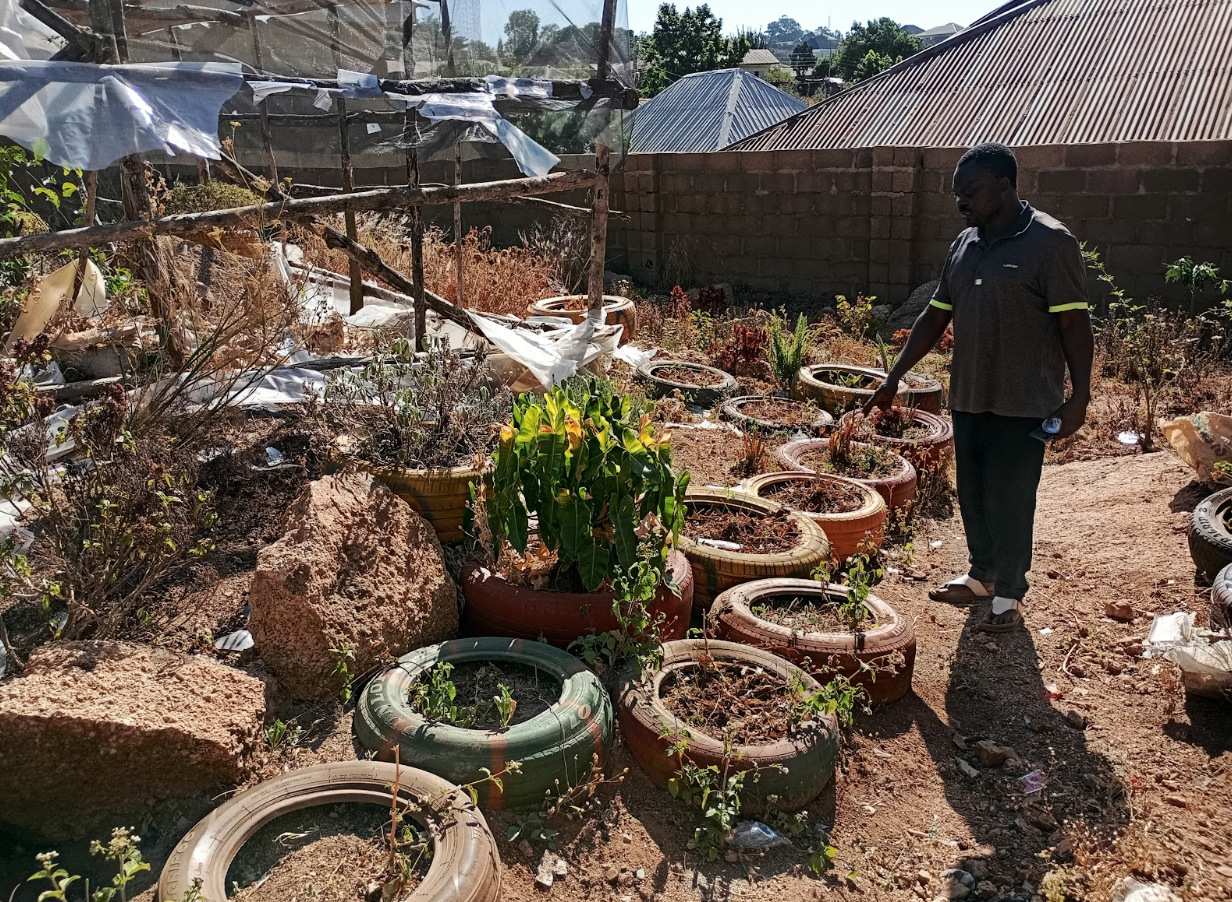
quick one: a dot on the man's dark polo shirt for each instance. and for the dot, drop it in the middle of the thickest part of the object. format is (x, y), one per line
(1005, 294)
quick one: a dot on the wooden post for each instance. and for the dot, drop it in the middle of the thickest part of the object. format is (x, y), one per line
(606, 28)
(88, 220)
(598, 228)
(447, 34)
(417, 260)
(348, 173)
(101, 25)
(266, 140)
(458, 238)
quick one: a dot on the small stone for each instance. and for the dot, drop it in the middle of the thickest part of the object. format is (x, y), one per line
(640, 873)
(990, 754)
(372, 891)
(976, 868)
(986, 888)
(1119, 610)
(526, 848)
(955, 891)
(611, 874)
(967, 769)
(731, 856)
(1076, 719)
(991, 646)
(625, 878)
(924, 877)
(1177, 801)
(1054, 574)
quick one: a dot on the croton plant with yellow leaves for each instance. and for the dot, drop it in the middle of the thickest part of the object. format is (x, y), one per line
(598, 479)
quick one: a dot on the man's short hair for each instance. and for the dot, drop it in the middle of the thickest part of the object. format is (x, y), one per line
(995, 158)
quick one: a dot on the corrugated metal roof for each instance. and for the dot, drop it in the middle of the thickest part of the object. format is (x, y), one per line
(708, 111)
(1042, 72)
(760, 58)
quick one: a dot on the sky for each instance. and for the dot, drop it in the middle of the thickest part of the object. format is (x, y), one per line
(810, 14)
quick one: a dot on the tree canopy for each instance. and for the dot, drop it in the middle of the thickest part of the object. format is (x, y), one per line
(803, 60)
(684, 43)
(784, 30)
(870, 48)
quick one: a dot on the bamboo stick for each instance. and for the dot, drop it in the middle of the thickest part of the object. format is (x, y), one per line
(459, 245)
(598, 228)
(417, 260)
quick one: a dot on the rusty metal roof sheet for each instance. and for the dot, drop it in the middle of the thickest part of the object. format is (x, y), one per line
(708, 111)
(1042, 72)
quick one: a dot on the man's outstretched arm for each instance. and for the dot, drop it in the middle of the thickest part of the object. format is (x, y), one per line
(1078, 345)
(925, 334)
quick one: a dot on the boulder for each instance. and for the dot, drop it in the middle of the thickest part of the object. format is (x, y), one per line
(904, 316)
(93, 733)
(356, 569)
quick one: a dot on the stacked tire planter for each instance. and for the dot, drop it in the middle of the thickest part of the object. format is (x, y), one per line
(465, 865)
(557, 745)
(734, 411)
(716, 570)
(1210, 540)
(1221, 600)
(793, 770)
(439, 496)
(701, 395)
(918, 391)
(497, 607)
(824, 654)
(849, 533)
(617, 311)
(928, 452)
(897, 490)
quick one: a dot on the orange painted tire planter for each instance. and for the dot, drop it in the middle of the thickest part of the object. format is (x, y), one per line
(826, 654)
(617, 311)
(932, 451)
(716, 570)
(557, 744)
(849, 533)
(496, 607)
(805, 759)
(439, 496)
(916, 390)
(465, 865)
(897, 490)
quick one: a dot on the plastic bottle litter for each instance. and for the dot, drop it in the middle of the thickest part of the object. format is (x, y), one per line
(754, 836)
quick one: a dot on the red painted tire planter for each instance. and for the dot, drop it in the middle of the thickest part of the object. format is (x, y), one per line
(917, 390)
(617, 311)
(496, 607)
(734, 410)
(932, 451)
(809, 755)
(555, 745)
(465, 864)
(716, 570)
(1221, 600)
(898, 490)
(826, 654)
(849, 533)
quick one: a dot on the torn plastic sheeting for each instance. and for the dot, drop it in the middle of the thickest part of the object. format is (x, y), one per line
(518, 87)
(263, 89)
(552, 356)
(50, 294)
(635, 356)
(357, 85)
(532, 158)
(1204, 658)
(23, 37)
(87, 116)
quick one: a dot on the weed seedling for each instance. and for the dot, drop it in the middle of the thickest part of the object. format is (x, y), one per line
(281, 735)
(506, 705)
(344, 658)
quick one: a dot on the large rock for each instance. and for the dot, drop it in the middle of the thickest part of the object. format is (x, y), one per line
(357, 568)
(904, 317)
(95, 732)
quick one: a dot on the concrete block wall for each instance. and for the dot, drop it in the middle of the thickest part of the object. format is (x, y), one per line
(880, 220)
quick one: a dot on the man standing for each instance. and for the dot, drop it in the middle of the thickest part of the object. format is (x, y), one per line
(1014, 285)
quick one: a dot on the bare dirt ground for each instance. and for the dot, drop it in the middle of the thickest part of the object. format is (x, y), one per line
(1137, 779)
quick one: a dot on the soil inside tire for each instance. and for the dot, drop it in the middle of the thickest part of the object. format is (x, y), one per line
(688, 376)
(846, 380)
(754, 533)
(868, 462)
(807, 614)
(816, 496)
(477, 686)
(741, 704)
(328, 853)
(781, 412)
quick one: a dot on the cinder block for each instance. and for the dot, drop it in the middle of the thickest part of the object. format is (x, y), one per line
(900, 228)
(815, 181)
(831, 249)
(879, 251)
(860, 203)
(795, 247)
(1086, 155)
(1204, 153)
(903, 205)
(1110, 231)
(943, 159)
(1217, 180)
(759, 245)
(1040, 157)
(1171, 180)
(883, 157)
(1082, 206)
(883, 180)
(904, 180)
(879, 227)
(1062, 181)
(882, 204)
(725, 163)
(862, 158)
(855, 180)
(1146, 154)
(908, 156)
(833, 158)
(1122, 180)
(1200, 207)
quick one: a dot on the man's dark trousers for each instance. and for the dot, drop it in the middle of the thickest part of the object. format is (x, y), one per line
(999, 466)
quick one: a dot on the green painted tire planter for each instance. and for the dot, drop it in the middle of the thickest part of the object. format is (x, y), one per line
(702, 395)
(555, 745)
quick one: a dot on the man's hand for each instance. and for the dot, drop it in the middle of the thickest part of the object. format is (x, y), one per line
(1072, 414)
(884, 396)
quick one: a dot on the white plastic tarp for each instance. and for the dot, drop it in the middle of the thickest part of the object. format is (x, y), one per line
(23, 37)
(87, 116)
(555, 355)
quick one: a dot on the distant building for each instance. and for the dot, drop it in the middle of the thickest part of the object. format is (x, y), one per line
(707, 111)
(938, 34)
(913, 29)
(759, 62)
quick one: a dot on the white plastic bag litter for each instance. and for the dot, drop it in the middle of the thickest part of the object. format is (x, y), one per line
(1204, 657)
(1131, 890)
(754, 836)
(51, 291)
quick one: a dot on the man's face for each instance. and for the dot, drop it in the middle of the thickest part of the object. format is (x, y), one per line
(980, 194)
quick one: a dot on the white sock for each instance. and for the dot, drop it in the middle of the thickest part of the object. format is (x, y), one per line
(976, 587)
(1002, 605)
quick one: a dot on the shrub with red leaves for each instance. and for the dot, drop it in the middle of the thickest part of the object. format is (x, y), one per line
(678, 306)
(744, 354)
(947, 340)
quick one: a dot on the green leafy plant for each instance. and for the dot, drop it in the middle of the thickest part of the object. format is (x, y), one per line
(122, 849)
(1196, 277)
(592, 475)
(281, 735)
(58, 877)
(638, 634)
(435, 697)
(856, 317)
(744, 352)
(506, 705)
(787, 353)
(717, 796)
(838, 697)
(343, 659)
(569, 801)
